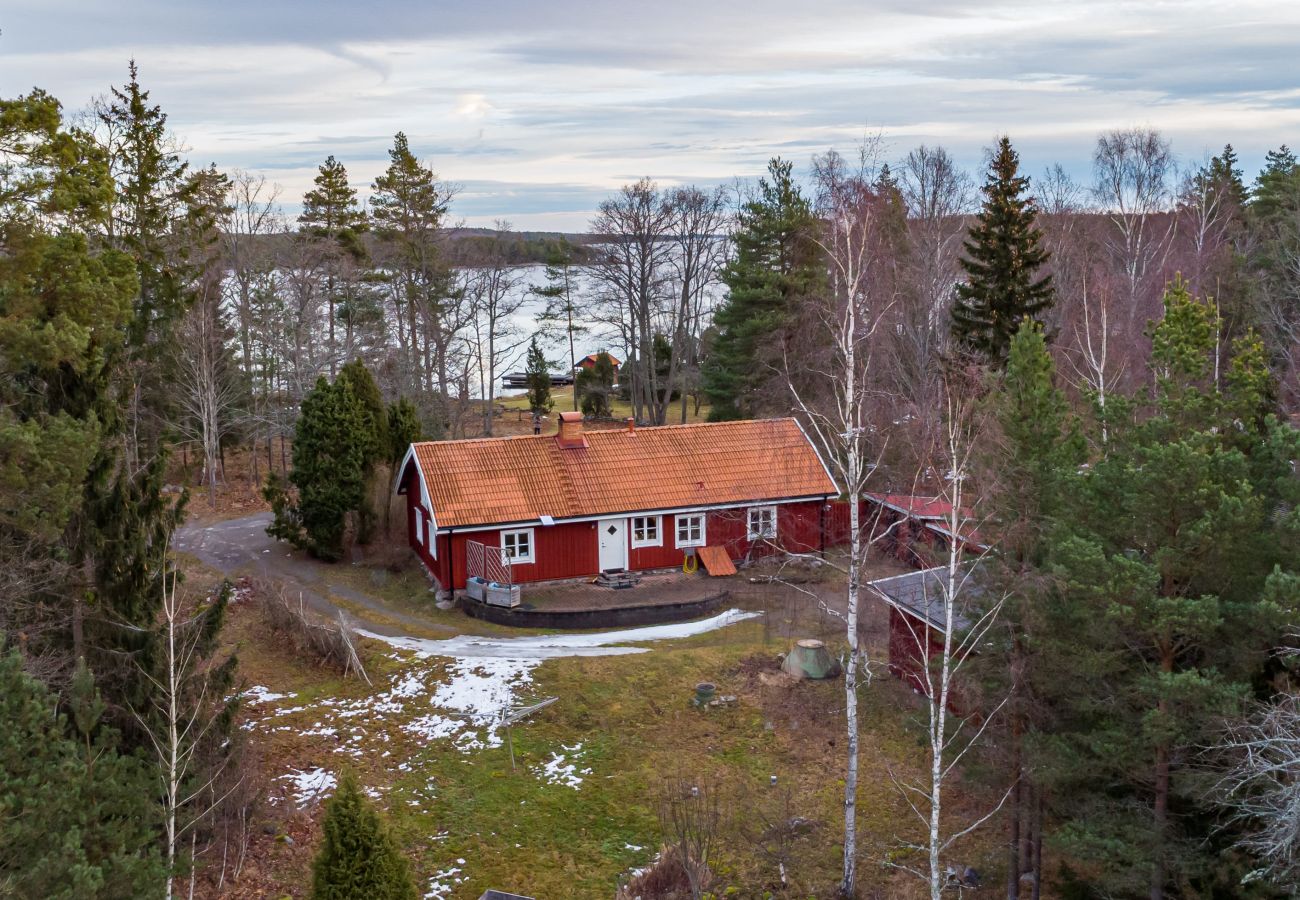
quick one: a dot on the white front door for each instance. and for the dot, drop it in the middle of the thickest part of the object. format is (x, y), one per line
(611, 536)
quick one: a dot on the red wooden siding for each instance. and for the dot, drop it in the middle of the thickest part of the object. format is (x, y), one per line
(569, 549)
(907, 661)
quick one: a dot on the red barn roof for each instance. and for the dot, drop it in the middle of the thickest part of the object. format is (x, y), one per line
(490, 481)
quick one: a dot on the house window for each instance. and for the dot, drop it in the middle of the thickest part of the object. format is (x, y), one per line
(645, 531)
(762, 522)
(517, 546)
(690, 531)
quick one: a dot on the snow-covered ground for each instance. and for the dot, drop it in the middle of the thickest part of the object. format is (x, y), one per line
(555, 646)
(454, 691)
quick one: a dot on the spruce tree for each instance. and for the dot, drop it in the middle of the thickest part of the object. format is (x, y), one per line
(403, 430)
(1003, 255)
(357, 378)
(776, 262)
(78, 819)
(538, 375)
(332, 442)
(358, 856)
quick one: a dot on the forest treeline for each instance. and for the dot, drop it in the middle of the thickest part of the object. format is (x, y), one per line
(1107, 370)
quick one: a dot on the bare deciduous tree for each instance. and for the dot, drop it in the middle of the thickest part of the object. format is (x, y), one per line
(953, 612)
(690, 818)
(834, 393)
(209, 389)
(1261, 786)
(186, 710)
(1132, 169)
(495, 297)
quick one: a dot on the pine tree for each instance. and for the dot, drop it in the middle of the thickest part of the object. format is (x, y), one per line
(358, 856)
(1003, 255)
(560, 305)
(776, 262)
(538, 374)
(595, 387)
(1171, 564)
(1039, 450)
(1278, 185)
(408, 208)
(79, 817)
(332, 216)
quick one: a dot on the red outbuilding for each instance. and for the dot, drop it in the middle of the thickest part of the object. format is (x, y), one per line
(589, 361)
(581, 502)
(918, 623)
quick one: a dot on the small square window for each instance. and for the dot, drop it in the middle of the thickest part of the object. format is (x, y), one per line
(762, 522)
(690, 531)
(517, 546)
(645, 531)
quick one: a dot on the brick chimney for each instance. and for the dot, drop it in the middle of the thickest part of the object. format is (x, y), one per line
(631, 425)
(570, 435)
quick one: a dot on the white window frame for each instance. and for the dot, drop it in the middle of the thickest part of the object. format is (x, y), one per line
(515, 558)
(751, 532)
(658, 524)
(680, 520)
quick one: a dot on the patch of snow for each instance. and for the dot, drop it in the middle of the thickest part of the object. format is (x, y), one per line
(433, 726)
(555, 646)
(310, 784)
(441, 884)
(261, 694)
(557, 771)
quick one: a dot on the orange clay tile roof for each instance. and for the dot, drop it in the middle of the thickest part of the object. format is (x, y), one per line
(487, 481)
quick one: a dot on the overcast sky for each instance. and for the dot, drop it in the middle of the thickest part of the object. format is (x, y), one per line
(538, 109)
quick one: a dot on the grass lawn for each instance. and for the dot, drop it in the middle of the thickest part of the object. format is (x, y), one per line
(622, 409)
(469, 822)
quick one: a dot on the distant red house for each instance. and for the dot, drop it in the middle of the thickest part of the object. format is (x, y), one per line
(914, 529)
(589, 361)
(577, 503)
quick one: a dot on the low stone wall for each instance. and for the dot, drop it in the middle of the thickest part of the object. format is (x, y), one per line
(608, 617)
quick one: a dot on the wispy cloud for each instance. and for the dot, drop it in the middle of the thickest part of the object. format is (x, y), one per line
(540, 109)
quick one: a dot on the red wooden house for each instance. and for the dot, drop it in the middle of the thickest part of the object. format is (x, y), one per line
(916, 529)
(589, 361)
(577, 503)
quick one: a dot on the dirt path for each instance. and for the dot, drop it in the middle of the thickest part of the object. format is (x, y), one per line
(241, 546)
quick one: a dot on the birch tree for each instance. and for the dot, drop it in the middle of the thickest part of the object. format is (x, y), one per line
(1131, 173)
(958, 615)
(495, 298)
(834, 395)
(209, 391)
(186, 715)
